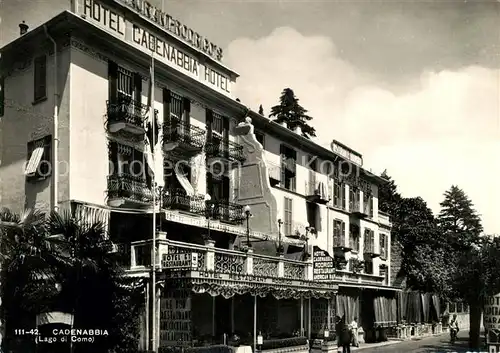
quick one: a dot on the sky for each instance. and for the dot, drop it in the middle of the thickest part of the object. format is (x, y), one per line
(414, 86)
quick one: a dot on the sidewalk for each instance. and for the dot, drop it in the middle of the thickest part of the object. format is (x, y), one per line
(390, 342)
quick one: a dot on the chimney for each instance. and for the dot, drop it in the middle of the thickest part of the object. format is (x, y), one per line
(23, 28)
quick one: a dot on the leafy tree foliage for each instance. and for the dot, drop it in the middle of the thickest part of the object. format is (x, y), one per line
(424, 257)
(40, 251)
(459, 220)
(289, 111)
(388, 195)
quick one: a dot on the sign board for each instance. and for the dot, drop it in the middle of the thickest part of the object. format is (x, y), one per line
(181, 31)
(347, 154)
(149, 41)
(323, 266)
(183, 260)
(491, 314)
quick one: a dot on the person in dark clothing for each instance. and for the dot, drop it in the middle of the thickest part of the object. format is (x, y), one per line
(344, 335)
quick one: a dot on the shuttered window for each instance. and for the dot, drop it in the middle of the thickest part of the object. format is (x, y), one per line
(288, 216)
(40, 76)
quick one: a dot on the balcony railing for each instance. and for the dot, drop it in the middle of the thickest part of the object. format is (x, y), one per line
(181, 137)
(227, 150)
(225, 211)
(176, 199)
(129, 188)
(356, 209)
(210, 258)
(316, 191)
(384, 218)
(369, 249)
(126, 114)
(222, 210)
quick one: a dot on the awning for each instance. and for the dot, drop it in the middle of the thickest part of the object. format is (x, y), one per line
(230, 285)
(35, 159)
(185, 183)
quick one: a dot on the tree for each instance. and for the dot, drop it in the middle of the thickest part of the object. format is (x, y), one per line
(289, 111)
(261, 110)
(79, 258)
(461, 225)
(424, 256)
(458, 219)
(388, 195)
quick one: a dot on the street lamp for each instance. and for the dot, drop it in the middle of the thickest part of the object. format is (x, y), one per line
(208, 212)
(247, 210)
(280, 250)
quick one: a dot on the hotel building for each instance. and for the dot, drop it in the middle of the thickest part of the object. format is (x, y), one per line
(310, 245)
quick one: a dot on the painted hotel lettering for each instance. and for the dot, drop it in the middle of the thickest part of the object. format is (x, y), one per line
(165, 52)
(106, 17)
(175, 27)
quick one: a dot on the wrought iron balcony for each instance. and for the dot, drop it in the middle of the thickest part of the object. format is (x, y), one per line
(177, 199)
(225, 211)
(225, 150)
(384, 218)
(221, 261)
(181, 138)
(128, 190)
(126, 114)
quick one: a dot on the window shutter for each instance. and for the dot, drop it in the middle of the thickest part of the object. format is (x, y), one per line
(137, 87)
(2, 96)
(166, 105)
(343, 229)
(225, 188)
(186, 106)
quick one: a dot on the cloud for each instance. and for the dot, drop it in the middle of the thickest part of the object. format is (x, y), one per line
(441, 129)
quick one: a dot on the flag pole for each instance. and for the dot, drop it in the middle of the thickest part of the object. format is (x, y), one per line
(153, 144)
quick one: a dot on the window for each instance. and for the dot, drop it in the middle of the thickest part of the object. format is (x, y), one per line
(39, 158)
(369, 241)
(127, 160)
(218, 187)
(338, 232)
(288, 167)
(288, 217)
(40, 75)
(260, 137)
(217, 123)
(2, 96)
(383, 245)
(369, 267)
(354, 236)
(176, 108)
(368, 204)
(338, 194)
(312, 214)
(354, 198)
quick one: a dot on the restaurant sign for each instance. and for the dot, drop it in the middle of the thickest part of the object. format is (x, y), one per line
(491, 314)
(154, 44)
(323, 266)
(183, 260)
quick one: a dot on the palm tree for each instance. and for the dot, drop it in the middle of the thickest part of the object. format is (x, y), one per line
(28, 271)
(77, 253)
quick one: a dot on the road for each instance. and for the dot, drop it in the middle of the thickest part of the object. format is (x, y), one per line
(436, 344)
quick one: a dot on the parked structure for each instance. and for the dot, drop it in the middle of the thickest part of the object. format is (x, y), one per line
(259, 229)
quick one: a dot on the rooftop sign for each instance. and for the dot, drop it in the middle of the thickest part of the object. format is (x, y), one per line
(337, 148)
(149, 42)
(175, 27)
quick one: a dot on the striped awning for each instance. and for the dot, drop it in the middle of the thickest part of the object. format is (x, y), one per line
(35, 159)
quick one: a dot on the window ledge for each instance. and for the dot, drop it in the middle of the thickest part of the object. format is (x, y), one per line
(39, 100)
